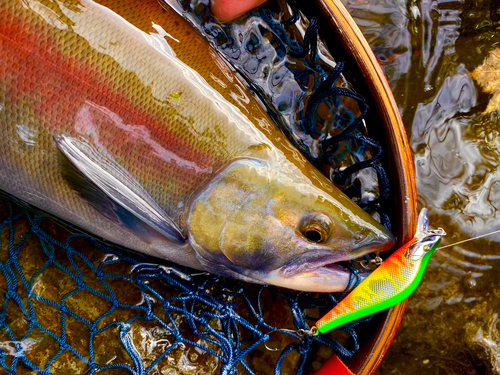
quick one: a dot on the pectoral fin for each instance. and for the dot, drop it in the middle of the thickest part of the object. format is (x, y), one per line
(128, 198)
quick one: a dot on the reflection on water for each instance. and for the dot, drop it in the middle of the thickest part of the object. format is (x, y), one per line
(428, 50)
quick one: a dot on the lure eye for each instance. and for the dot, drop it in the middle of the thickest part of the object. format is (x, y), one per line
(316, 227)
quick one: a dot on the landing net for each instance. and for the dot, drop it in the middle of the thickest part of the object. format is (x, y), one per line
(73, 305)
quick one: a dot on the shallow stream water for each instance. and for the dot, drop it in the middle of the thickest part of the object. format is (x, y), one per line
(442, 59)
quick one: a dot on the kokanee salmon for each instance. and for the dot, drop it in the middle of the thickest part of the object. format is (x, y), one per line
(106, 124)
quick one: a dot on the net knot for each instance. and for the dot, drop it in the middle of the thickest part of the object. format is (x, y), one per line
(10, 294)
(303, 349)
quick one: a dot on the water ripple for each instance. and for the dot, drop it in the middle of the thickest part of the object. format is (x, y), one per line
(385, 26)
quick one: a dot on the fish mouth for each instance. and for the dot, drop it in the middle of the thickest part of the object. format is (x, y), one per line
(316, 261)
(318, 276)
(315, 272)
(323, 260)
(326, 269)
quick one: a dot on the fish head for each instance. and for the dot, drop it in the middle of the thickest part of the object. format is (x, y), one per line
(267, 222)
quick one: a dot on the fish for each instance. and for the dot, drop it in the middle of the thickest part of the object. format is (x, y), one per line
(119, 119)
(392, 282)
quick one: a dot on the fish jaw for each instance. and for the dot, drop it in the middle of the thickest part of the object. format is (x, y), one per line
(326, 279)
(315, 272)
(249, 223)
(319, 271)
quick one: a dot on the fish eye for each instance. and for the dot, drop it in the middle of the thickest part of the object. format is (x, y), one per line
(314, 235)
(316, 227)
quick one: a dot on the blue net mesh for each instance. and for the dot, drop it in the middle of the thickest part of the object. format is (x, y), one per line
(71, 304)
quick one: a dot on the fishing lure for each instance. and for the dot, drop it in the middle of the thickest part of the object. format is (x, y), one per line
(392, 282)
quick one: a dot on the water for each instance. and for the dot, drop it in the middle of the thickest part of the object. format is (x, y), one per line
(430, 51)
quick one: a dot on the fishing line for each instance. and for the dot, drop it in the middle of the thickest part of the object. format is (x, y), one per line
(470, 239)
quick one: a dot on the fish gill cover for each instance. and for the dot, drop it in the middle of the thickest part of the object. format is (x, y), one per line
(71, 304)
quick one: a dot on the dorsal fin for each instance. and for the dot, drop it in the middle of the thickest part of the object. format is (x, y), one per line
(117, 184)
